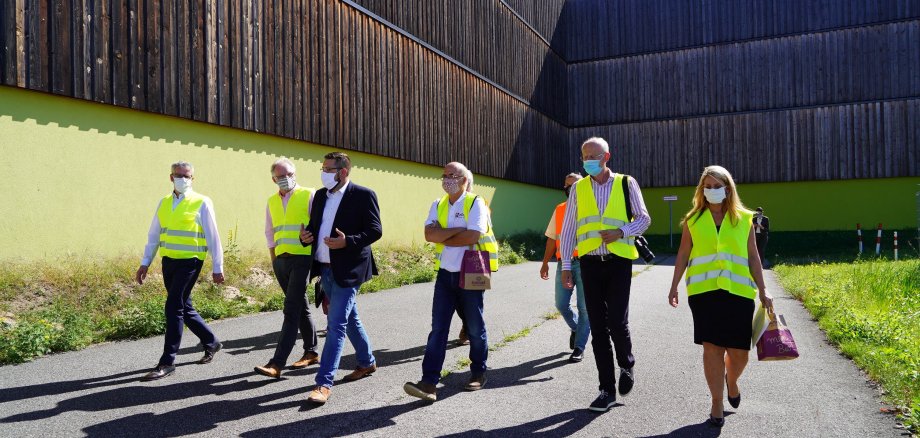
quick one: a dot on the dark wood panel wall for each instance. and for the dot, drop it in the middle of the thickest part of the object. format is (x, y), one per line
(870, 140)
(775, 90)
(488, 37)
(858, 64)
(600, 29)
(316, 70)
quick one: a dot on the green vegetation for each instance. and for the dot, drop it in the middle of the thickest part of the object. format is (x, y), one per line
(871, 310)
(69, 303)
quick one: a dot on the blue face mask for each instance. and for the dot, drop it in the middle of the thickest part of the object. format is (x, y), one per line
(593, 167)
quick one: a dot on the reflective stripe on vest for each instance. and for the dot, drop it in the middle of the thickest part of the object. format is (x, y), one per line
(181, 237)
(487, 241)
(286, 221)
(589, 221)
(719, 259)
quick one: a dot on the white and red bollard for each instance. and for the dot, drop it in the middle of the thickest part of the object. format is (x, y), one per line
(878, 240)
(859, 237)
(895, 246)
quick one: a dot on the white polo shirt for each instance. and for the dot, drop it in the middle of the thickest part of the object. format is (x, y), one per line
(452, 256)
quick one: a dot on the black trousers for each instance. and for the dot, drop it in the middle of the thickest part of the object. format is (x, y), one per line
(293, 274)
(179, 276)
(607, 299)
(762, 240)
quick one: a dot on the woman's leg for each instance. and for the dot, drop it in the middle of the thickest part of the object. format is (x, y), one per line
(714, 368)
(735, 361)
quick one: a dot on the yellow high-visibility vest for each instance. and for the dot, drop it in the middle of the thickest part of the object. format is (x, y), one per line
(719, 259)
(286, 221)
(487, 240)
(181, 237)
(589, 221)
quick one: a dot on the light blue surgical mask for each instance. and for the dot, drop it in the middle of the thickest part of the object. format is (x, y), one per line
(593, 167)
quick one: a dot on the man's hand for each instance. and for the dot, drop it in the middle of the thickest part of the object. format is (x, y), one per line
(610, 236)
(141, 274)
(544, 271)
(305, 236)
(337, 242)
(567, 279)
(217, 277)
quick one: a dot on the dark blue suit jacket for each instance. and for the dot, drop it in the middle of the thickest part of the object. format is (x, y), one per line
(358, 217)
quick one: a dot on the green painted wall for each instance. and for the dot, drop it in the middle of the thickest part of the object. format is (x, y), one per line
(84, 178)
(809, 206)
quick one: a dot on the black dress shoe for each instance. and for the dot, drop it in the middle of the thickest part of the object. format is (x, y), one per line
(209, 354)
(733, 401)
(716, 422)
(158, 373)
(572, 340)
(577, 355)
(627, 379)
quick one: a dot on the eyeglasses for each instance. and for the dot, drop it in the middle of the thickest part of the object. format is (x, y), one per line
(599, 156)
(175, 175)
(289, 174)
(449, 176)
(329, 169)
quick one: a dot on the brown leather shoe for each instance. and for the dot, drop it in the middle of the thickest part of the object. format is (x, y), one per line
(463, 339)
(422, 390)
(269, 370)
(360, 373)
(319, 395)
(477, 381)
(309, 358)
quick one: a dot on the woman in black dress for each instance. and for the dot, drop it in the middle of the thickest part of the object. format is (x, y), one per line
(724, 276)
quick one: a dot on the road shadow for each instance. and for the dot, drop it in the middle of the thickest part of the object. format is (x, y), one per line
(141, 395)
(563, 424)
(703, 430)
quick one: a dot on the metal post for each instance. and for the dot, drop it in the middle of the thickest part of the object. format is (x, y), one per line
(895, 246)
(671, 223)
(859, 237)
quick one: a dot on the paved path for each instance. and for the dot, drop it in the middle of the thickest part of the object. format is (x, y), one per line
(532, 390)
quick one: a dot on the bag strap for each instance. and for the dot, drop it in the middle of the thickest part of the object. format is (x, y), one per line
(629, 213)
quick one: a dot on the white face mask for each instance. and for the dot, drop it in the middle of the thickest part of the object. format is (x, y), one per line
(182, 185)
(714, 196)
(286, 183)
(328, 179)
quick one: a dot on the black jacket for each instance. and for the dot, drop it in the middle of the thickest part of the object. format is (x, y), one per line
(358, 217)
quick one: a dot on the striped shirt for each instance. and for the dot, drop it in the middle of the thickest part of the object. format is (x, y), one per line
(640, 223)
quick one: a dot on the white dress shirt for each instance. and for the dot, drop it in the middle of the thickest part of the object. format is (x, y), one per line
(333, 200)
(452, 256)
(205, 219)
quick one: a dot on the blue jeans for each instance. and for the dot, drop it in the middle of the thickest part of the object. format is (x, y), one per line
(577, 323)
(448, 296)
(342, 321)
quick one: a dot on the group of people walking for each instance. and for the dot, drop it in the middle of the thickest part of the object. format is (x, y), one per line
(329, 232)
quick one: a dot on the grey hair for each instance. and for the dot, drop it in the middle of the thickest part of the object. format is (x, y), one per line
(469, 179)
(180, 164)
(575, 175)
(285, 161)
(598, 141)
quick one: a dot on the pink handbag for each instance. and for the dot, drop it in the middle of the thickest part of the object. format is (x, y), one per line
(776, 343)
(474, 270)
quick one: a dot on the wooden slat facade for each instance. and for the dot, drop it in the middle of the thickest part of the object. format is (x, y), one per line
(852, 65)
(601, 29)
(775, 90)
(315, 70)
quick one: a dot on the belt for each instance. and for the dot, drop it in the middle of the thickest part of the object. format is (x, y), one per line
(284, 255)
(599, 258)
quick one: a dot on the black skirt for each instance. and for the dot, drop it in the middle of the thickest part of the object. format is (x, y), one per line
(722, 318)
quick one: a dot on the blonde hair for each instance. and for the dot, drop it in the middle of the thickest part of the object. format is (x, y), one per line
(731, 206)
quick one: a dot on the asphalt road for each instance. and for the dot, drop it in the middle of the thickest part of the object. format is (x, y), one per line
(532, 390)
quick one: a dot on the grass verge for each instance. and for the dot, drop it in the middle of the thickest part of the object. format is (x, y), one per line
(871, 310)
(72, 302)
(464, 362)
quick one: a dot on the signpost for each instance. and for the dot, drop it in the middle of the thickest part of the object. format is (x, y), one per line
(670, 200)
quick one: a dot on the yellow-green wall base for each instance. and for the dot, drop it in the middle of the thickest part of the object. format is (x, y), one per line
(85, 178)
(808, 206)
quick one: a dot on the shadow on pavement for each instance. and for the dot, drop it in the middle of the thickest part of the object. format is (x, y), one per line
(142, 394)
(563, 424)
(54, 388)
(703, 429)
